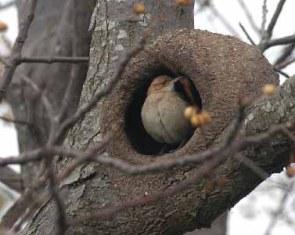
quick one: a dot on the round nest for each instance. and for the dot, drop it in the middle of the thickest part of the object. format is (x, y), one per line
(222, 68)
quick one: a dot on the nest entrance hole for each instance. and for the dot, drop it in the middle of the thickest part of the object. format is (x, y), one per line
(140, 140)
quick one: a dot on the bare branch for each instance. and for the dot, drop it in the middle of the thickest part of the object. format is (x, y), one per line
(247, 35)
(53, 191)
(28, 202)
(280, 209)
(7, 5)
(252, 166)
(276, 42)
(249, 16)
(156, 166)
(56, 59)
(281, 72)
(45, 101)
(23, 158)
(12, 179)
(223, 20)
(18, 46)
(274, 18)
(6, 41)
(19, 122)
(264, 16)
(285, 63)
(287, 51)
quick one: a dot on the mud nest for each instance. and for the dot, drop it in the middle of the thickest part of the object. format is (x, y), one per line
(222, 68)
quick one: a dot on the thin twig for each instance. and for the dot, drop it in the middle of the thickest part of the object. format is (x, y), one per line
(252, 166)
(266, 41)
(7, 5)
(56, 59)
(157, 165)
(287, 52)
(6, 41)
(273, 21)
(269, 133)
(45, 101)
(55, 195)
(223, 20)
(12, 179)
(249, 16)
(280, 209)
(276, 42)
(247, 34)
(17, 48)
(28, 199)
(281, 72)
(264, 16)
(23, 158)
(285, 63)
(14, 121)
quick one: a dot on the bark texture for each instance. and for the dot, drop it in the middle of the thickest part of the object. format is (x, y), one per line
(60, 28)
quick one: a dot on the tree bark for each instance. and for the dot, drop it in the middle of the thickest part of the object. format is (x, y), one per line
(60, 28)
(218, 227)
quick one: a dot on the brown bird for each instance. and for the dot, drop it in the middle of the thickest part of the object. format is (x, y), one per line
(162, 113)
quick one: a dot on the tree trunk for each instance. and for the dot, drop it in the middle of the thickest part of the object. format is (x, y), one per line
(60, 28)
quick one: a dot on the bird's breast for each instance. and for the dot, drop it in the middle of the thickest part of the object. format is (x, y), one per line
(163, 119)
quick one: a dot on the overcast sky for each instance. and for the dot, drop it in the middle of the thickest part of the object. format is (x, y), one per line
(231, 10)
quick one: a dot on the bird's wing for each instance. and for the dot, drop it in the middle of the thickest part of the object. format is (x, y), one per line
(187, 90)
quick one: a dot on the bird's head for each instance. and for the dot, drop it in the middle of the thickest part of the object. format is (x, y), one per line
(160, 83)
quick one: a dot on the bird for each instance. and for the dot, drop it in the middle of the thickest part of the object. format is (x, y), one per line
(162, 113)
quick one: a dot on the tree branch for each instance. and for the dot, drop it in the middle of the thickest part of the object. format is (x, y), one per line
(274, 19)
(56, 59)
(7, 5)
(276, 42)
(12, 179)
(10, 68)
